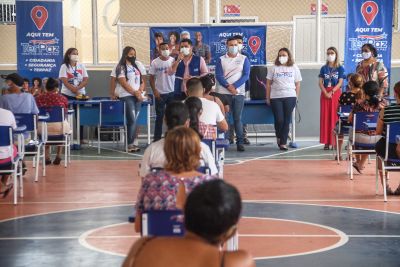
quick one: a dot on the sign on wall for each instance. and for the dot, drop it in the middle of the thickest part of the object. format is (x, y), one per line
(254, 39)
(231, 10)
(368, 22)
(39, 38)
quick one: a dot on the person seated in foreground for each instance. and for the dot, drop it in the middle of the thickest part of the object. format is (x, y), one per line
(205, 131)
(6, 153)
(371, 103)
(166, 189)
(389, 114)
(176, 114)
(211, 212)
(53, 99)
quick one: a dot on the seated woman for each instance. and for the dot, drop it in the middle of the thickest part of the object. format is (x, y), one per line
(212, 212)
(176, 114)
(208, 82)
(6, 153)
(166, 189)
(371, 103)
(51, 98)
(387, 115)
(205, 131)
(348, 98)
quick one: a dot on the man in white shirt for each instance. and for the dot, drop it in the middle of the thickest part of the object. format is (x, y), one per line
(232, 70)
(176, 114)
(211, 113)
(162, 78)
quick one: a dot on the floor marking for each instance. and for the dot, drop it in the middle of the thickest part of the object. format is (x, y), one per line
(315, 200)
(273, 155)
(119, 151)
(70, 202)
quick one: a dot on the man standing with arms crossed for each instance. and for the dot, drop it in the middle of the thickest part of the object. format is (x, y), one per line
(232, 71)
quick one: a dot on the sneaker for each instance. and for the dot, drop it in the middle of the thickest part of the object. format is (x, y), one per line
(133, 148)
(246, 141)
(240, 147)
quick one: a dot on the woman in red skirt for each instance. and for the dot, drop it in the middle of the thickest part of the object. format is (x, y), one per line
(330, 81)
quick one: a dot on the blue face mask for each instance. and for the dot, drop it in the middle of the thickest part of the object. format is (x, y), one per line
(233, 50)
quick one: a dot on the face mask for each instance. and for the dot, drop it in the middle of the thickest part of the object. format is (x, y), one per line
(165, 53)
(185, 51)
(131, 59)
(74, 58)
(233, 50)
(331, 58)
(240, 46)
(283, 60)
(366, 55)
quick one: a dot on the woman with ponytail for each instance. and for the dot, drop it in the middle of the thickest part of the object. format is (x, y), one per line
(371, 103)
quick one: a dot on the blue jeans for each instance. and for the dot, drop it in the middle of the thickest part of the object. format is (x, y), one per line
(236, 104)
(132, 109)
(164, 100)
(282, 109)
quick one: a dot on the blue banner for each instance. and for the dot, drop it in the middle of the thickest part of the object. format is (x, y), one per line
(39, 38)
(368, 22)
(254, 40)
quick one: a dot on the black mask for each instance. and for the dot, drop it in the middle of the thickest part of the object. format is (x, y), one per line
(131, 59)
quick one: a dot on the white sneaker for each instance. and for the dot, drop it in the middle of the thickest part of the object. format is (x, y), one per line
(133, 148)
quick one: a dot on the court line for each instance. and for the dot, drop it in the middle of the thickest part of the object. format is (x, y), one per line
(295, 201)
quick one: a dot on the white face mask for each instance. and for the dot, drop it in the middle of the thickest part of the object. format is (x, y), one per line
(185, 51)
(165, 53)
(366, 55)
(283, 60)
(233, 49)
(240, 46)
(331, 58)
(74, 58)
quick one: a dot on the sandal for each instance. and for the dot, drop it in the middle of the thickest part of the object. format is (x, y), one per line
(57, 161)
(326, 147)
(355, 166)
(8, 190)
(47, 161)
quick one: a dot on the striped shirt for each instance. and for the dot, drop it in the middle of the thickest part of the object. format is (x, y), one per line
(390, 114)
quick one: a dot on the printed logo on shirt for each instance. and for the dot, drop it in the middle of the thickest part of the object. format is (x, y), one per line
(162, 69)
(284, 74)
(334, 75)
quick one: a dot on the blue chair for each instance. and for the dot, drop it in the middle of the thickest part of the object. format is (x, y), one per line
(112, 117)
(389, 164)
(35, 147)
(56, 115)
(163, 223)
(343, 126)
(15, 168)
(359, 121)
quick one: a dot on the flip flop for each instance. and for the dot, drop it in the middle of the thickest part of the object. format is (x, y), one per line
(8, 190)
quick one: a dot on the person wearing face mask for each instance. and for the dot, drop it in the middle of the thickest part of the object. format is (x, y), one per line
(188, 65)
(373, 70)
(162, 78)
(283, 88)
(201, 49)
(129, 88)
(232, 70)
(331, 78)
(73, 75)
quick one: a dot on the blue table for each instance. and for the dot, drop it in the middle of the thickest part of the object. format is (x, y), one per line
(87, 114)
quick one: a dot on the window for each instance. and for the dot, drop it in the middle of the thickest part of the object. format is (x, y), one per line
(7, 12)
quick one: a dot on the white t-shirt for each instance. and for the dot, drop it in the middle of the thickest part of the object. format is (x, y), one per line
(154, 157)
(74, 76)
(139, 64)
(283, 81)
(165, 78)
(6, 119)
(133, 80)
(211, 114)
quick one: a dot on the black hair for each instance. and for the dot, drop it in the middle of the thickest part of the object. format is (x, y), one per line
(230, 39)
(176, 114)
(208, 81)
(238, 37)
(371, 48)
(67, 60)
(194, 106)
(51, 84)
(186, 40)
(37, 79)
(211, 209)
(193, 84)
(177, 36)
(158, 34)
(371, 89)
(122, 63)
(163, 43)
(26, 80)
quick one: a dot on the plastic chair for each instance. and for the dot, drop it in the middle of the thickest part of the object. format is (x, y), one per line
(112, 117)
(35, 147)
(388, 164)
(343, 126)
(359, 120)
(56, 115)
(6, 140)
(163, 223)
